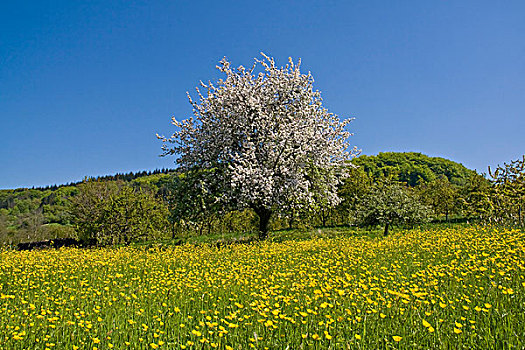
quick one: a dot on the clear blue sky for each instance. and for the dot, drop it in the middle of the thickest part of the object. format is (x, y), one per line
(85, 85)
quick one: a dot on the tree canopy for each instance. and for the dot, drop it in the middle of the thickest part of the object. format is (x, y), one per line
(390, 203)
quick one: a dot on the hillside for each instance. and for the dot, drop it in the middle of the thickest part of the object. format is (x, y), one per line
(29, 214)
(412, 168)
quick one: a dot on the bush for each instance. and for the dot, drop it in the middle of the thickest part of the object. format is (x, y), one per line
(115, 213)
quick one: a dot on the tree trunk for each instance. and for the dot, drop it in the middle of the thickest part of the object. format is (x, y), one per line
(264, 219)
(291, 220)
(519, 215)
(386, 229)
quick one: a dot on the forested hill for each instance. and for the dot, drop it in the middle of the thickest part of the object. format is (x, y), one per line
(32, 214)
(21, 200)
(126, 177)
(412, 167)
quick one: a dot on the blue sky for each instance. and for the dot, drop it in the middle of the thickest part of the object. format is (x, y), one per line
(84, 86)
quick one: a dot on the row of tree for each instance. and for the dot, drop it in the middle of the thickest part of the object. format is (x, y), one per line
(367, 199)
(177, 204)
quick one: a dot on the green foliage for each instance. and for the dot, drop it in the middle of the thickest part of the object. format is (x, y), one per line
(508, 197)
(475, 198)
(441, 196)
(389, 203)
(153, 183)
(412, 168)
(185, 206)
(39, 214)
(116, 213)
(352, 192)
(194, 209)
(191, 202)
(57, 204)
(51, 231)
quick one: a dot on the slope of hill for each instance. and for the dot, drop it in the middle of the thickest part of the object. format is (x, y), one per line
(29, 214)
(412, 168)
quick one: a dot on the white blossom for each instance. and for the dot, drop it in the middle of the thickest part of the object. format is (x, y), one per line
(266, 129)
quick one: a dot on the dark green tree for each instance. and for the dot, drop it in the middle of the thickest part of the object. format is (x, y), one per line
(412, 168)
(57, 204)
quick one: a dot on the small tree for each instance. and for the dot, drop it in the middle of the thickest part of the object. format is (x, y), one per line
(475, 198)
(389, 203)
(352, 192)
(267, 138)
(440, 195)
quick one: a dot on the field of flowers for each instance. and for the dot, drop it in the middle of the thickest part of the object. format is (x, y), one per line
(441, 288)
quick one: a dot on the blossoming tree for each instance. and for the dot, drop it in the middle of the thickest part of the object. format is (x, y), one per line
(264, 139)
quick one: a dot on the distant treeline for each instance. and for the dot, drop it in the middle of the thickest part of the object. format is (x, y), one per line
(118, 176)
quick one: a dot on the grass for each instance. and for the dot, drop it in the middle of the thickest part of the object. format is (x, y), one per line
(295, 234)
(436, 288)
